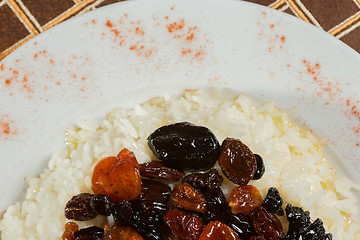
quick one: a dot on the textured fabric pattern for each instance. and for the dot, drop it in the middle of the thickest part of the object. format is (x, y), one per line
(21, 20)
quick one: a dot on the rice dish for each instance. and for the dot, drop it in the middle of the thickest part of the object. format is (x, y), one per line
(294, 160)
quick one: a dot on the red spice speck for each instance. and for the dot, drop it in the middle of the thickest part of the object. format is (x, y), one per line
(109, 24)
(172, 8)
(176, 26)
(7, 81)
(57, 83)
(5, 127)
(282, 39)
(272, 26)
(51, 61)
(2, 67)
(93, 21)
(166, 17)
(35, 56)
(35, 43)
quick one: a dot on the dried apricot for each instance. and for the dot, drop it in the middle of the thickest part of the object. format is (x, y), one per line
(117, 177)
(187, 197)
(244, 199)
(186, 226)
(117, 232)
(237, 161)
(217, 230)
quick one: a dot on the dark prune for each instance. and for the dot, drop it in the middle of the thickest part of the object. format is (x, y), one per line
(185, 225)
(122, 212)
(90, 233)
(300, 226)
(101, 204)
(159, 170)
(79, 208)
(237, 161)
(185, 146)
(186, 197)
(218, 230)
(154, 191)
(260, 167)
(146, 218)
(208, 180)
(266, 224)
(244, 199)
(273, 202)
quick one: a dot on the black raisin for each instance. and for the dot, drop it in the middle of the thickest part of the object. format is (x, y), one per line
(273, 202)
(266, 224)
(122, 212)
(185, 146)
(79, 208)
(260, 167)
(90, 233)
(101, 204)
(154, 191)
(202, 181)
(160, 170)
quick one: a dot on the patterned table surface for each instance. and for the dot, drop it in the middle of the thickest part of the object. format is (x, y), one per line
(21, 20)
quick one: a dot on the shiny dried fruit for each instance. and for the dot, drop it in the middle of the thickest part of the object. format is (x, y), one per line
(70, 228)
(101, 204)
(186, 197)
(266, 224)
(216, 231)
(260, 167)
(160, 170)
(154, 191)
(117, 232)
(185, 146)
(273, 202)
(186, 226)
(117, 177)
(208, 180)
(79, 208)
(90, 233)
(122, 212)
(244, 199)
(237, 161)
(257, 238)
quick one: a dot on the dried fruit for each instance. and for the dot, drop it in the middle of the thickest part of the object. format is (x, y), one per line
(117, 177)
(70, 228)
(159, 170)
(273, 202)
(208, 180)
(122, 212)
(266, 224)
(217, 230)
(101, 204)
(257, 238)
(79, 208)
(187, 197)
(117, 232)
(90, 233)
(154, 191)
(237, 161)
(244, 199)
(185, 146)
(185, 225)
(260, 167)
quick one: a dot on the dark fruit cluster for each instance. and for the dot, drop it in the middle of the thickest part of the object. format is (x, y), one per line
(195, 208)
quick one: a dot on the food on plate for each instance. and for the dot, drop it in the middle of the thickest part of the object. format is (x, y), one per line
(292, 172)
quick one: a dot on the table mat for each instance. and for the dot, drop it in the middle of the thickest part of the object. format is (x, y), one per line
(21, 20)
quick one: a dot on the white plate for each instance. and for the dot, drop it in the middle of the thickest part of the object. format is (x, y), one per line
(86, 66)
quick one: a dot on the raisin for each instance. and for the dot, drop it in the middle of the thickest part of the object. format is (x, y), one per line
(117, 177)
(260, 167)
(185, 196)
(208, 180)
(101, 204)
(266, 224)
(154, 191)
(244, 199)
(273, 202)
(122, 212)
(185, 225)
(70, 228)
(146, 218)
(185, 146)
(216, 200)
(90, 233)
(121, 232)
(237, 161)
(159, 170)
(79, 208)
(218, 230)
(257, 238)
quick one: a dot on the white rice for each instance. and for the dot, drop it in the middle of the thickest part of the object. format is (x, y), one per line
(293, 157)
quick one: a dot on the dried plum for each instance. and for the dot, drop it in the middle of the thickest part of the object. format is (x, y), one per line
(160, 170)
(260, 167)
(218, 230)
(186, 197)
(90, 233)
(185, 146)
(154, 191)
(237, 161)
(185, 225)
(273, 202)
(79, 208)
(266, 224)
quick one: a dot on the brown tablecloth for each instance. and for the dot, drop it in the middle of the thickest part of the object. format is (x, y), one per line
(21, 20)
